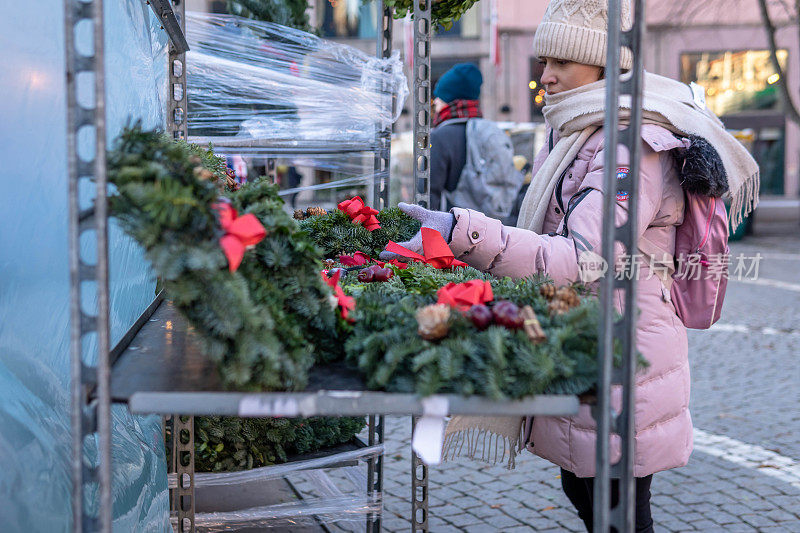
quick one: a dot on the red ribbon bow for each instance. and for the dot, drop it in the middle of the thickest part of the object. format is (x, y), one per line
(241, 233)
(360, 213)
(346, 303)
(437, 253)
(360, 258)
(464, 295)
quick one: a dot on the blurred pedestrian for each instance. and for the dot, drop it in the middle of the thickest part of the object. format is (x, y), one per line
(471, 158)
(559, 228)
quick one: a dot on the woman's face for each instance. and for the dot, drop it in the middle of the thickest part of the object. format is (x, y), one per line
(562, 75)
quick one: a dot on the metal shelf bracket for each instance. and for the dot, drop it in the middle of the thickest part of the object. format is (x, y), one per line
(172, 22)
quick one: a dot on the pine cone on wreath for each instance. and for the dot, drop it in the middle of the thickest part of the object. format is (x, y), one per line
(315, 211)
(433, 321)
(569, 296)
(202, 173)
(548, 290)
(299, 214)
(557, 307)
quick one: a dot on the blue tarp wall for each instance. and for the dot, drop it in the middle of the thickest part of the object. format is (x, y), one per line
(35, 486)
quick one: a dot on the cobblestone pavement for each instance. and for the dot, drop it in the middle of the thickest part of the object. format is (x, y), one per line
(745, 386)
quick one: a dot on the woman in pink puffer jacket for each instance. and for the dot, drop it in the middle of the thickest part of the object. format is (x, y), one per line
(561, 221)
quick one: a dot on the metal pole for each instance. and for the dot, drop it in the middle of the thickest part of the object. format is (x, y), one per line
(628, 233)
(622, 517)
(375, 470)
(178, 99)
(422, 102)
(88, 418)
(380, 193)
(419, 490)
(183, 448)
(182, 442)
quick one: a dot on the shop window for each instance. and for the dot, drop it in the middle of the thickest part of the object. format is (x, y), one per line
(347, 19)
(735, 81)
(536, 89)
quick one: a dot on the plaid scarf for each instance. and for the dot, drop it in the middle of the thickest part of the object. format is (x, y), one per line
(459, 109)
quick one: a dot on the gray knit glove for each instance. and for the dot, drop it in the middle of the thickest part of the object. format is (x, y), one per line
(438, 220)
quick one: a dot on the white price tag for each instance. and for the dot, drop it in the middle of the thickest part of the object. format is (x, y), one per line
(259, 406)
(428, 436)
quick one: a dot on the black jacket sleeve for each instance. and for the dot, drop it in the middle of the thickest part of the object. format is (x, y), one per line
(440, 166)
(448, 157)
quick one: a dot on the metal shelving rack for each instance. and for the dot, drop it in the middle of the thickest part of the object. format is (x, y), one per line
(161, 370)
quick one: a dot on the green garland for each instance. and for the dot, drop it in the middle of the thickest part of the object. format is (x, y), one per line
(336, 234)
(443, 12)
(260, 324)
(230, 444)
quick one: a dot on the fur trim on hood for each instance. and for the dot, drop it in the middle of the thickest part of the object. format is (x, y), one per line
(701, 169)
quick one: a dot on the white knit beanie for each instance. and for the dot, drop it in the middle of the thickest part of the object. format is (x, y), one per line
(577, 30)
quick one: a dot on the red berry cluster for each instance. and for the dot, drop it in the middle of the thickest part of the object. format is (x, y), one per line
(375, 273)
(502, 313)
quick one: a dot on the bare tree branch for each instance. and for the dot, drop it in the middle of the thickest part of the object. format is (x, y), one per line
(790, 108)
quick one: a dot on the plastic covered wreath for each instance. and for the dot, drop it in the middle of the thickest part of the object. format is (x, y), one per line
(281, 87)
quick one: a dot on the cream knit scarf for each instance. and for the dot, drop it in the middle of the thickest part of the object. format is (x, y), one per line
(576, 115)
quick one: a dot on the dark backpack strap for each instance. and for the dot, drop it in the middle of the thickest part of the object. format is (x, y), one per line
(577, 198)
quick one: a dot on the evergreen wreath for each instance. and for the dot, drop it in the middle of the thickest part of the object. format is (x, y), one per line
(260, 324)
(496, 362)
(336, 234)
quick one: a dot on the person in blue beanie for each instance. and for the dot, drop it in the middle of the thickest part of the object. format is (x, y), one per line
(471, 158)
(456, 99)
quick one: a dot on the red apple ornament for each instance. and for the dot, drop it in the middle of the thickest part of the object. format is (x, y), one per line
(480, 316)
(506, 314)
(383, 274)
(366, 275)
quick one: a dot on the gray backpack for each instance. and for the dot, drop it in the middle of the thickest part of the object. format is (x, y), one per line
(489, 183)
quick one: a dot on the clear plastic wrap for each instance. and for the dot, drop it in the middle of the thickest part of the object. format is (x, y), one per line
(310, 512)
(277, 86)
(215, 479)
(332, 489)
(35, 433)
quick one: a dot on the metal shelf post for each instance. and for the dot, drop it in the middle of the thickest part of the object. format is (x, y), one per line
(178, 97)
(183, 457)
(422, 102)
(380, 192)
(182, 499)
(89, 416)
(419, 490)
(421, 65)
(630, 85)
(374, 469)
